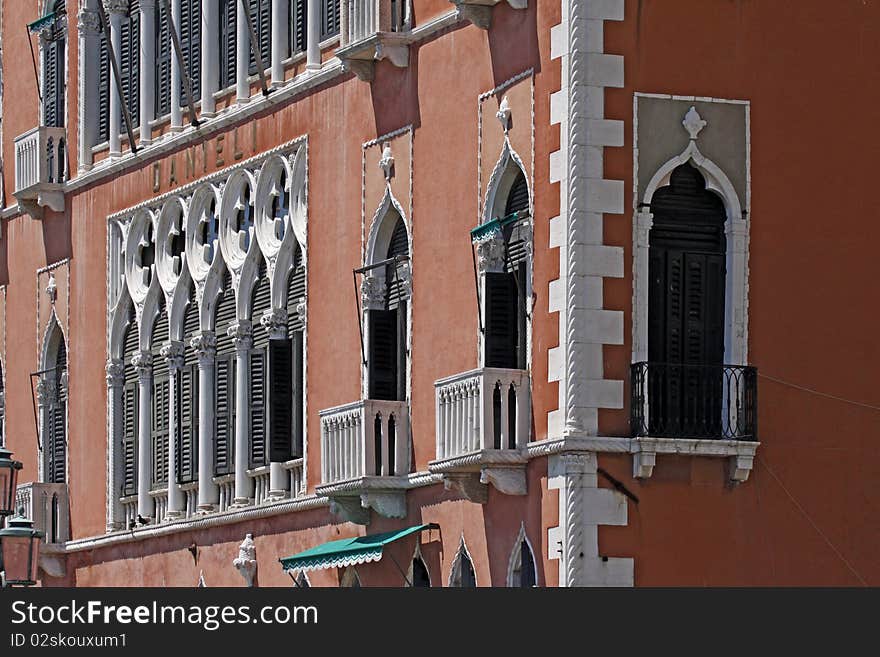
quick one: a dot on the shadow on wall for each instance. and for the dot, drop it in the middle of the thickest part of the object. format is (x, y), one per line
(395, 94)
(56, 235)
(513, 41)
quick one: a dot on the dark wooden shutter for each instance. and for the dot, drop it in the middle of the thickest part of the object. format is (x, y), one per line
(296, 290)
(261, 18)
(527, 577)
(329, 18)
(280, 397)
(129, 64)
(298, 25)
(163, 61)
(159, 430)
(258, 409)
(104, 92)
(383, 354)
(129, 438)
(50, 83)
(228, 18)
(299, 386)
(224, 447)
(502, 304)
(187, 451)
(190, 30)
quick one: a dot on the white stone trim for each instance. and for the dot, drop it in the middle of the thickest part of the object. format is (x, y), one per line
(737, 228)
(455, 569)
(516, 557)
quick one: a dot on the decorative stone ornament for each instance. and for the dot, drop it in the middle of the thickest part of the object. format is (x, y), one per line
(89, 22)
(172, 352)
(116, 6)
(246, 561)
(503, 114)
(693, 123)
(373, 292)
(205, 345)
(115, 372)
(301, 310)
(274, 321)
(241, 333)
(52, 289)
(386, 163)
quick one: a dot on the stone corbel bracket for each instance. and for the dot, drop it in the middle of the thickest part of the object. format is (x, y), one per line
(479, 12)
(352, 500)
(740, 454)
(471, 474)
(360, 57)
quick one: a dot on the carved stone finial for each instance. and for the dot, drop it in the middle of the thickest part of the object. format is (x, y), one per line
(274, 321)
(503, 114)
(693, 122)
(386, 163)
(241, 333)
(490, 252)
(373, 292)
(246, 561)
(52, 289)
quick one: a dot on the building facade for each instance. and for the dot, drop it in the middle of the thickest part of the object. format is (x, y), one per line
(482, 283)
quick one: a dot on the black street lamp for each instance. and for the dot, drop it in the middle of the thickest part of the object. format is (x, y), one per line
(8, 479)
(19, 551)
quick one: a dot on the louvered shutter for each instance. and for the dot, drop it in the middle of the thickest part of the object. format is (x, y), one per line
(188, 425)
(258, 409)
(329, 18)
(228, 37)
(501, 320)
(296, 290)
(56, 443)
(280, 397)
(224, 448)
(261, 18)
(518, 196)
(383, 354)
(159, 447)
(163, 61)
(104, 92)
(129, 64)
(299, 385)
(50, 84)
(190, 31)
(129, 438)
(298, 25)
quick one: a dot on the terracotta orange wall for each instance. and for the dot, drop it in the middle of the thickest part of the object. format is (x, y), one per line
(804, 515)
(441, 103)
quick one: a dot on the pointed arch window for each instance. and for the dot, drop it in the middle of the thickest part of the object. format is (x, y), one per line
(463, 575)
(224, 435)
(296, 292)
(160, 411)
(55, 411)
(186, 440)
(129, 447)
(420, 576)
(261, 302)
(523, 573)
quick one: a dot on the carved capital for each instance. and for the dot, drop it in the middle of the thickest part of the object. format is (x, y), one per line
(274, 321)
(172, 352)
(241, 333)
(373, 292)
(115, 373)
(205, 345)
(490, 252)
(143, 363)
(47, 391)
(89, 22)
(302, 310)
(116, 6)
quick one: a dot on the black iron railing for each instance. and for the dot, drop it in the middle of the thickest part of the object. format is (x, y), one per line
(671, 400)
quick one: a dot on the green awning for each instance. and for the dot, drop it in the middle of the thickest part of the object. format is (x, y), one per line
(41, 22)
(497, 224)
(349, 551)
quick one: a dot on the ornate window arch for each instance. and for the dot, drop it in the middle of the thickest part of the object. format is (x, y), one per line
(521, 569)
(419, 575)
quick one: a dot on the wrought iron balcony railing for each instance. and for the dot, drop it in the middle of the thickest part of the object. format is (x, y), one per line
(674, 400)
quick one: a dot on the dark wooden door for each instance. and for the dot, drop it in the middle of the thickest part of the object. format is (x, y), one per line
(686, 308)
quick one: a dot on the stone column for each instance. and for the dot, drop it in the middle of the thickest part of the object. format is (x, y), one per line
(205, 346)
(115, 385)
(242, 56)
(176, 73)
(148, 68)
(45, 396)
(241, 334)
(117, 9)
(280, 27)
(275, 323)
(89, 25)
(143, 362)
(210, 55)
(172, 352)
(313, 35)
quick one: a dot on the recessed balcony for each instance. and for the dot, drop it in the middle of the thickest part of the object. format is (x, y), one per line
(365, 459)
(483, 427)
(372, 30)
(709, 410)
(41, 170)
(48, 506)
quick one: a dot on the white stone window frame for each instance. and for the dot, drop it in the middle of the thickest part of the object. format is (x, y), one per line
(455, 570)
(736, 229)
(377, 244)
(507, 166)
